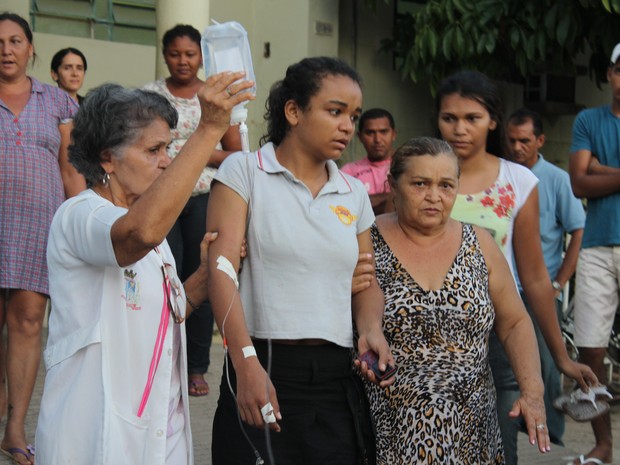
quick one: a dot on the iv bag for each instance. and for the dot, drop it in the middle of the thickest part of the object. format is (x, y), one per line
(225, 47)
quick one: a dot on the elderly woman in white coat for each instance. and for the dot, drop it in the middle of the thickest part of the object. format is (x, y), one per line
(116, 384)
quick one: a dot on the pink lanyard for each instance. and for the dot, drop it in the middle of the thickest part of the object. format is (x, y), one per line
(159, 342)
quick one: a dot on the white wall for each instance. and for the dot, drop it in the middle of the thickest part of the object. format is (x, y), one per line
(20, 7)
(323, 44)
(127, 64)
(410, 104)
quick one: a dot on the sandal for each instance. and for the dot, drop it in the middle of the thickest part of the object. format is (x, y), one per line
(12, 451)
(198, 387)
(601, 392)
(584, 406)
(586, 461)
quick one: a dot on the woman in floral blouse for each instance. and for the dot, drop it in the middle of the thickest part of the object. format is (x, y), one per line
(181, 48)
(501, 197)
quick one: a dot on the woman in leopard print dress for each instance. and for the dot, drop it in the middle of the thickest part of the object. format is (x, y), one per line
(447, 286)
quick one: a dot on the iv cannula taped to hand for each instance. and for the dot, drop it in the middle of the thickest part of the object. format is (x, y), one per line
(225, 47)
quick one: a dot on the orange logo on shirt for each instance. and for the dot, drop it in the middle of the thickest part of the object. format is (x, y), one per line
(344, 215)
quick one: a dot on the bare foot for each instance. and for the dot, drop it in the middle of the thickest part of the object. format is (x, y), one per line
(198, 387)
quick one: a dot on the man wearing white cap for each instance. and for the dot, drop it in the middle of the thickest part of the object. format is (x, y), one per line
(595, 174)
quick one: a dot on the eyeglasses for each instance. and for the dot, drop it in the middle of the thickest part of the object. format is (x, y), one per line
(172, 292)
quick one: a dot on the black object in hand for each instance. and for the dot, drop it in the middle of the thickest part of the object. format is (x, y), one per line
(372, 360)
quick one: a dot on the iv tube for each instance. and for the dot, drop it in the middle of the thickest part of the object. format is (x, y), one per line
(225, 47)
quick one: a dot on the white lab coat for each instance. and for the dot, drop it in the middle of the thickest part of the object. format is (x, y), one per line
(102, 332)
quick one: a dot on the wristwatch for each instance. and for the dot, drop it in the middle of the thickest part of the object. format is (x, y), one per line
(557, 286)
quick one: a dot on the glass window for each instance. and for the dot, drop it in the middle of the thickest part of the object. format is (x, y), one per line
(130, 21)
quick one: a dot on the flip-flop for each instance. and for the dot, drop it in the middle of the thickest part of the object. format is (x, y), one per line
(586, 461)
(28, 453)
(195, 384)
(582, 406)
(601, 392)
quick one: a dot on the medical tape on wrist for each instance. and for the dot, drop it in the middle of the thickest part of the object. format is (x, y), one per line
(267, 413)
(223, 264)
(248, 351)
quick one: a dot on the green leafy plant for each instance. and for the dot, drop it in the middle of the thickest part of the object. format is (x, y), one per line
(506, 39)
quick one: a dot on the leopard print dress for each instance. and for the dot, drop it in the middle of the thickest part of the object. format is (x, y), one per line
(441, 407)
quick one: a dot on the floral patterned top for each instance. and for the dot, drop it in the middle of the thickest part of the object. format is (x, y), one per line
(189, 116)
(496, 208)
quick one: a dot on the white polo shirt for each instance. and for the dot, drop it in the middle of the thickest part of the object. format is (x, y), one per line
(296, 279)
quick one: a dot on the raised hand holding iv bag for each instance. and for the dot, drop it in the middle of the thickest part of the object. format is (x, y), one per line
(225, 47)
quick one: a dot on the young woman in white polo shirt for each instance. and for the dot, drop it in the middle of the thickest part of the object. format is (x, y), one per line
(288, 392)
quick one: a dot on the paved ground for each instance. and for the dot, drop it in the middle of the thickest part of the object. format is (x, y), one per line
(578, 437)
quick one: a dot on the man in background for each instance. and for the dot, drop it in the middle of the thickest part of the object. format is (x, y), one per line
(560, 213)
(595, 174)
(377, 134)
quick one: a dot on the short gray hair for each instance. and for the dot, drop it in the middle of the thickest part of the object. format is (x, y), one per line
(417, 147)
(109, 118)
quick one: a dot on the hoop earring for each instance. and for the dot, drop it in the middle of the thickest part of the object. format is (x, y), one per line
(106, 179)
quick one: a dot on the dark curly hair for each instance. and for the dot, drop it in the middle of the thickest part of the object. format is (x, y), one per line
(110, 118)
(302, 81)
(180, 30)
